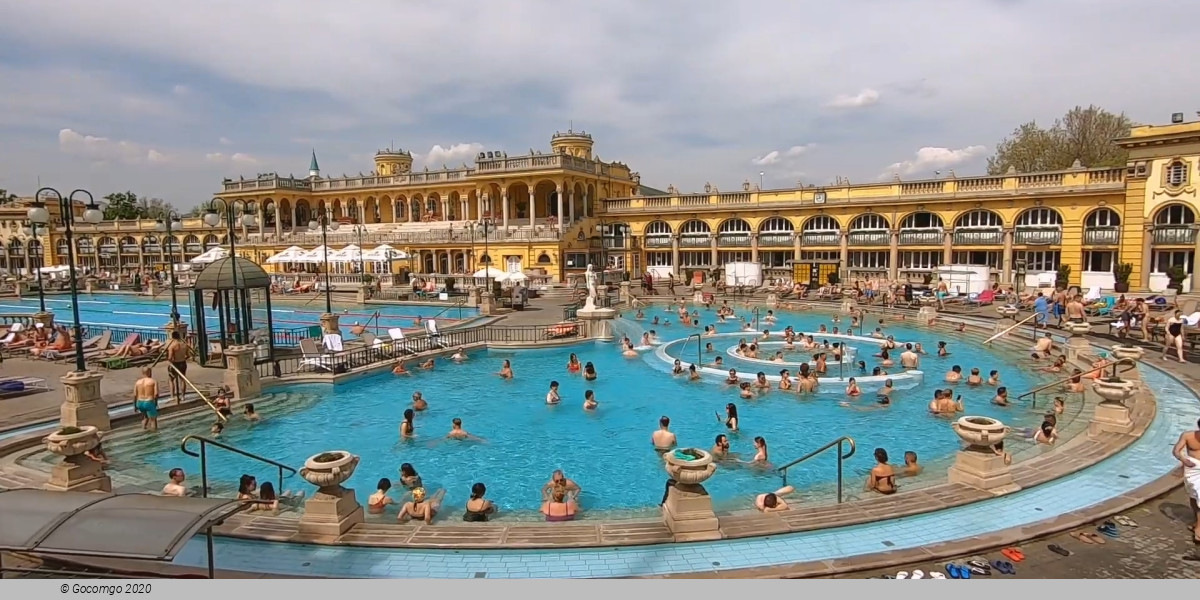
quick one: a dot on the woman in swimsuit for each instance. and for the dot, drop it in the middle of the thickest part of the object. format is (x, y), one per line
(573, 365)
(419, 508)
(267, 498)
(589, 372)
(677, 369)
(380, 499)
(559, 508)
(589, 400)
(247, 485)
(882, 477)
(478, 508)
(1174, 338)
(407, 428)
(852, 389)
(760, 453)
(409, 477)
(785, 380)
(731, 416)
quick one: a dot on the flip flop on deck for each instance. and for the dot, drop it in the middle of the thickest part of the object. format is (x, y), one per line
(1109, 529)
(1125, 521)
(1004, 567)
(1014, 554)
(1055, 548)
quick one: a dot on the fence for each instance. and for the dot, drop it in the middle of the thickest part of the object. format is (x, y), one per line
(342, 362)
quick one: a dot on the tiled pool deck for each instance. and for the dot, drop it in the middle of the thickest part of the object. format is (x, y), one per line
(1143, 463)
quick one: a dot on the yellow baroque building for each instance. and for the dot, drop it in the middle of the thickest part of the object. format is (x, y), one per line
(555, 212)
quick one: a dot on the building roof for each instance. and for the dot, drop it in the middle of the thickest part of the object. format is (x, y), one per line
(219, 275)
(313, 166)
(92, 524)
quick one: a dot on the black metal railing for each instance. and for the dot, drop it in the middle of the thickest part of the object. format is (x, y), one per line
(202, 454)
(1102, 236)
(978, 237)
(1174, 234)
(1037, 237)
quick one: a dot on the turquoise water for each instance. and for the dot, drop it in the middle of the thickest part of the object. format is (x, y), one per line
(607, 451)
(124, 310)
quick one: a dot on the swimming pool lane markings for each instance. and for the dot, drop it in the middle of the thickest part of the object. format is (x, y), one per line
(1139, 464)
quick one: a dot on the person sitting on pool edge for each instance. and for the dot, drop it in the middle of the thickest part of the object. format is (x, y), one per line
(421, 508)
(882, 477)
(559, 507)
(773, 501)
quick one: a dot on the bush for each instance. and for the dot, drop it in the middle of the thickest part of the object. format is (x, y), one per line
(325, 457)
(69, 431)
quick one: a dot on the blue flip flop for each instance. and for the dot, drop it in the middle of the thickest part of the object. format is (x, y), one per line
(1109, 529)
(1004, 567)
(953, 571)
(963, 572)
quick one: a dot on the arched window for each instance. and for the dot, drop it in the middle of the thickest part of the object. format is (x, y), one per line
(921, 220)
(776, 225)
(171, 244)
(1101, 227)
(695, 234)
(979, 219)
(868, 221)
(1175, 214)
(615, 235)
(734, 232)
(1104, 217)
(191, 245)
(108, 245)
(734, 226)
(150, 245)
(658, 234)
(210, 242)
(822, 223)
(776, 232)
(62, 248)
(1040, 217)
(85, 245)
(821, 230)
(1173, 226)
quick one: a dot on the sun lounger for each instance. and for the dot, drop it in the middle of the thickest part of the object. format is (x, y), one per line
(562, 330)
(434, 336)
(19, 386)
(95, 343)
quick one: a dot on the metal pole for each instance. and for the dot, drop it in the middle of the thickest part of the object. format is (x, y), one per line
(362, 266)
(212, 561)
(839, 480)
(171, 266)
(33, 229)
(203, 471)
(237, 308)
(325, 250)
(65, 206)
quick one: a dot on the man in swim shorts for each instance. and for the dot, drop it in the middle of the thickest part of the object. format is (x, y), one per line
(177, 355)
(145, 400)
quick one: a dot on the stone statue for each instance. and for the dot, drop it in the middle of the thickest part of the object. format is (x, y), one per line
(591, 285)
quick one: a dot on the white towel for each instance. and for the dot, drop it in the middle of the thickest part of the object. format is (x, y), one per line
(1193, 319)
(1191, 477)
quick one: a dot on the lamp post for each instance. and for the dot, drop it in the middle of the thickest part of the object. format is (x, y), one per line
(38, 215)
(233, 219)
(169, 223)
(485, 227)
(760, 179)
(360, 229)
(35, 231)
(323, 222)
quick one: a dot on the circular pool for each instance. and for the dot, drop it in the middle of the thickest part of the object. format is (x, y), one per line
(607, 451)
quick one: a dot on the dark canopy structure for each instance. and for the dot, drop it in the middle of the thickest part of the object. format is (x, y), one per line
(123, 526)
(227, 286)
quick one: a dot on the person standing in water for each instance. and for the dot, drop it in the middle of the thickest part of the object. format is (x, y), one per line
(177, 356)
(145, 400)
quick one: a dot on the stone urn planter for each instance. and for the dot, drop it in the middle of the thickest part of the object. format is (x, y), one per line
(980, 432)
(1114, 391)
(1006, 310)
(72, 441)
(1074, 328)
(329, 470)
(690, 472)
(1120, 352)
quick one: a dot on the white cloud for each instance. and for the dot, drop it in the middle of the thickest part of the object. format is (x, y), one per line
(102, 149)
(776, 156)
(864, 98)
(181, 90)
(452, 156)
(237, 158)
(224, 141)
(930, 159)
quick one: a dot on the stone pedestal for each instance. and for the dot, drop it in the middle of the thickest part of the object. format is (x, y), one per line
(45, 318)
(848, 305)
(625, 295)
(927, 313)
(329, 323)
(688, 513)
(598, 320)
(152, 287)
(172, 326)
(78, 474)
(1110, 417)
(698, 296)
(473, 294)
(331, 512)
(89, 285)
(364, 292)
(240, 373)
(83, 405)
(487, 304)
(980, 467)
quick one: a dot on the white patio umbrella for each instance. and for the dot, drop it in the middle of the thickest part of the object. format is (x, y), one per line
(349, 254)
(287, 256)
(514, 277)
(491, 272)
(210, 255)
(317, 255)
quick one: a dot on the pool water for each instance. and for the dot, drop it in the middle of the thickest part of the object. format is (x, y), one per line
(125, 310)
(607, 451)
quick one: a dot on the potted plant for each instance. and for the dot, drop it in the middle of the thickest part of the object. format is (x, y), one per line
(689, 466)
(72, 441)
(1062, 277)
(980, 432)
(833, 278)
(1176, 274)
(1113, 389)
(927, 278)
(329, 469)
(1121, 351)
(1121, 274)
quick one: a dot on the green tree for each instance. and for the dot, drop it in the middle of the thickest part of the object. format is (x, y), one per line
(121, 205)
(1083, 134)
(154, 208)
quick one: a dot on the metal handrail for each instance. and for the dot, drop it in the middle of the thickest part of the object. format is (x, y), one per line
(756, 315)
(699, 348)
(461, 302)
(1014, 326)
(203, 456)
(1129, 363)
(841, 457)
(171, 367)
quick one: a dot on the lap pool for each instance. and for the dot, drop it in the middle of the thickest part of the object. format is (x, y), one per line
(607, 451)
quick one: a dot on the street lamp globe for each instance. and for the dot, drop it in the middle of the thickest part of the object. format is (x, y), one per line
(38, 214)
(248, 220)
(333, 225)
(92, 214)
(313, 225)
(211, 218)
(160, 226)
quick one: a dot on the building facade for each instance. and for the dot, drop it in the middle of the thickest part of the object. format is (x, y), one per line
(554, 213)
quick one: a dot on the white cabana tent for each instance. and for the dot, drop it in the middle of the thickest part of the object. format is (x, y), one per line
(287, 256)
(210, 255)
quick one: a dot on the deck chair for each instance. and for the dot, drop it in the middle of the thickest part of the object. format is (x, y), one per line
(1092, 295)
(90, 345)
(107, 360)
(983, 298)
(398, 341)
(1105, 309)
(18, 386)
(435, 337)
(332, 342)
(313, 357)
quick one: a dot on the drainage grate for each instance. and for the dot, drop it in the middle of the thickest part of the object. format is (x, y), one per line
(480, 574)
(888, 543)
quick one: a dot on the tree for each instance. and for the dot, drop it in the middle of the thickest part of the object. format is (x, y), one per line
(127, 205)
(1083, 134)
(154, 208)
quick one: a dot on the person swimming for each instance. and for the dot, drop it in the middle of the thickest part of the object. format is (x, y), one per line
(418, 401)
(589, 372)
(552, 396)
(407, 428)
(589, 400)
(573, 365)
(506, 371)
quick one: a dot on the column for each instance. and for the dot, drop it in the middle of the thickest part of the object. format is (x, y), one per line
(1148, 263)
(558, 193)
(571, 207)
(844, 249)
(278, 222)
(712, 245)
(413, 215)
(796, 245)
(947, 247)
(894, 255)
(532, 206)
(587, 207)
(445, 208)
(1006, 261)
(504, 207)
(675, 255)
(754, 247)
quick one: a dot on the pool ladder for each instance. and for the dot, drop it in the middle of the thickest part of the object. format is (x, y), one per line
(202, 454)
(841, 458)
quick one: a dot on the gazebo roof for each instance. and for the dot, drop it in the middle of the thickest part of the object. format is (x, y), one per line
(219, 275)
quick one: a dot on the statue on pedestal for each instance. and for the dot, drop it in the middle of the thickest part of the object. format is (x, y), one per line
(591, 287)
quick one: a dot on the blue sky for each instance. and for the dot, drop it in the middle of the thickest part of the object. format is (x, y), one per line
(165, 99)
